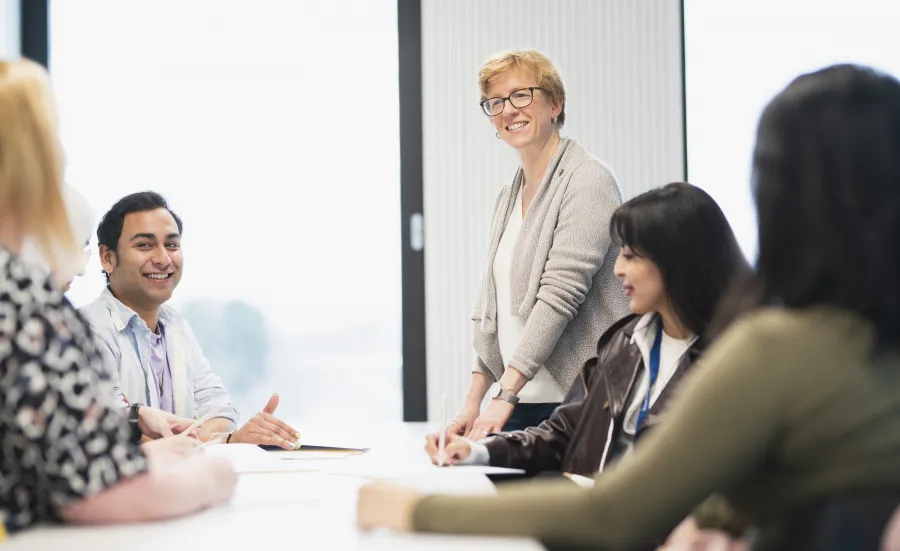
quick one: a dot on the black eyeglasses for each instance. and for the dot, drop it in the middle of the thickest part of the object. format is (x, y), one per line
(518, 99)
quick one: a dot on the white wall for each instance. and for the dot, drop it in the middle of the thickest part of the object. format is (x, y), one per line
(9, 29)
(621, 63)
(732, 75)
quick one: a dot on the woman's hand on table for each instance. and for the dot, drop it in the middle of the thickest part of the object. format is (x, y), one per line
(456, 449)
(383, 505)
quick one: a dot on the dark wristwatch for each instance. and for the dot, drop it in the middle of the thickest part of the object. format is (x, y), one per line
(134, 422)
(507, 396)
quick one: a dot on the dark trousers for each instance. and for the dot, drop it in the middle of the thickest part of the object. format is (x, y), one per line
(528, 415)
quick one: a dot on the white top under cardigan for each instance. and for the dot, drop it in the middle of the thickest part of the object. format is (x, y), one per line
(542, 389)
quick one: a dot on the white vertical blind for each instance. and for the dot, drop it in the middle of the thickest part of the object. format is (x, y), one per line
(622, 67)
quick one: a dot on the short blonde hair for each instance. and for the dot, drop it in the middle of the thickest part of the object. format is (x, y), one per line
(532, 62)
(31, 164)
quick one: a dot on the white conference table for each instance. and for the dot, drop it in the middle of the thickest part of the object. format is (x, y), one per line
(311, 507)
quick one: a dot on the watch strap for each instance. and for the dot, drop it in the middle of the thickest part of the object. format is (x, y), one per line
(134, 423)
(508, 397)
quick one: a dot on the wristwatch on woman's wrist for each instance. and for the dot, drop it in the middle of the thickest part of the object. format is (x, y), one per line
(507, 396)
(134, 423)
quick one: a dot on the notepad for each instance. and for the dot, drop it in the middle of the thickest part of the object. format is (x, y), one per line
(324, 449)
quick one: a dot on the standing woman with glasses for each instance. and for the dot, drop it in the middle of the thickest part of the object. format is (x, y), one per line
(548, 291)
(65, 453)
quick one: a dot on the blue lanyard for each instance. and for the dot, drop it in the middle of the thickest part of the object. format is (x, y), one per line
(654, 372)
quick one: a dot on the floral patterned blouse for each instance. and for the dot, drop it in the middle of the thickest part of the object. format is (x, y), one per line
(61, 439)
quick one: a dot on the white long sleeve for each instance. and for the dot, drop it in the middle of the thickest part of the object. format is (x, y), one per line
(478, 456)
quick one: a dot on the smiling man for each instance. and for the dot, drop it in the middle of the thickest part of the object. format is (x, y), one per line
(147, 346)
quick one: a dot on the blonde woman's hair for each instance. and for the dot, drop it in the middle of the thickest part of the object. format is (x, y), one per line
(31, 165)
(534, 64)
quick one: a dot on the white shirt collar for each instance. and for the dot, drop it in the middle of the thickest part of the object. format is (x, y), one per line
(645, 332)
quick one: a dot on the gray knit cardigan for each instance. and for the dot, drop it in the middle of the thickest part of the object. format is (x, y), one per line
(562, 278)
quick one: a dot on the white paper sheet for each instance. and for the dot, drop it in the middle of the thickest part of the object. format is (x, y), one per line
(248, 458)
(379, 470)
(317, 455)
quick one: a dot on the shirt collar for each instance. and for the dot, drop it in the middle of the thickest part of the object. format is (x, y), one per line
(645, 330)
(644, 326)
(123, 315)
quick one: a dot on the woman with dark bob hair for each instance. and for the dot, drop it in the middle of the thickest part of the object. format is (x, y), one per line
(673, 286)
(798, 401)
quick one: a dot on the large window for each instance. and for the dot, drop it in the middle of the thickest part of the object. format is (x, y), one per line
(272, 128)
(740, 54)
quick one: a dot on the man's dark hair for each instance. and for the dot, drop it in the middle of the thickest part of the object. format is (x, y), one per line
(110, 229)
(682, 230)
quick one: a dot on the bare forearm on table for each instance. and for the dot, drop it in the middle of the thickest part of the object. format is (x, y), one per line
(171, 488)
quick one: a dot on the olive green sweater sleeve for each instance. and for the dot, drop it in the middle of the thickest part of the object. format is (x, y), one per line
(698, 451)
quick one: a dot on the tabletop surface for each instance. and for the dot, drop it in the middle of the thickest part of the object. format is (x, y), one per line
(296, 503)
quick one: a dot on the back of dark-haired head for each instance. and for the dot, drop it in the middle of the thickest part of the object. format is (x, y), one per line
(826, 176)
(682, 230)
(110, 229)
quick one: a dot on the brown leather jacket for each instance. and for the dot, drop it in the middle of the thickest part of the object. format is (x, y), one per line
(581, 434)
